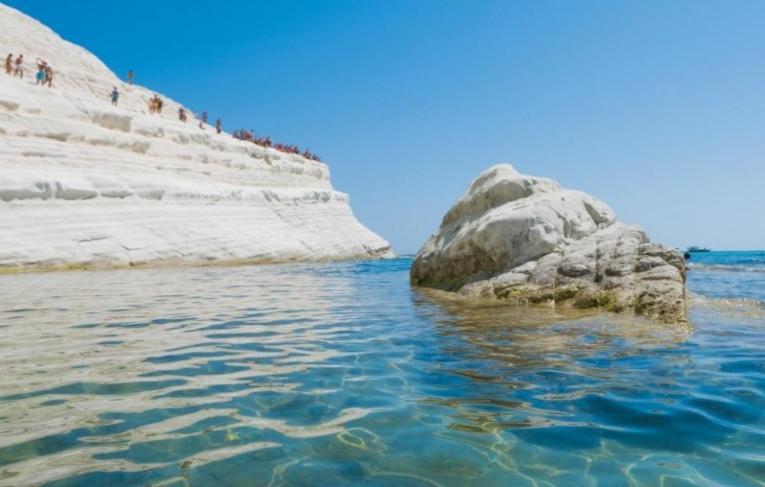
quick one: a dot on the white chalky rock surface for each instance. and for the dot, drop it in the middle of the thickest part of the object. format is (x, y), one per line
(526, 239)
(83, 183)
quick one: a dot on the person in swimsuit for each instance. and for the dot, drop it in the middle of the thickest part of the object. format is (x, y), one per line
(19, 71)
(182, 115)
(48, 76)
(9, 64)
(219, 126)
(40, 76)
(131, 75)
(115, 96)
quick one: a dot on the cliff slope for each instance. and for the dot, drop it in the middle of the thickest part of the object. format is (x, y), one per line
(84, 183)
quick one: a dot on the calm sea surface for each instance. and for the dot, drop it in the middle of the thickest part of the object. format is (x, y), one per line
(340, 374)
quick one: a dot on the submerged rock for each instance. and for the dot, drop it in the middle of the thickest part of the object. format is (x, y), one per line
(526, 239)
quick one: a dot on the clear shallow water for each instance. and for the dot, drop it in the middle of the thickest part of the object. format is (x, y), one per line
(729, 275)
(340, 374)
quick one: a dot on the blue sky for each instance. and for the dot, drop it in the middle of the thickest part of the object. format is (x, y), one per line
(656, 107)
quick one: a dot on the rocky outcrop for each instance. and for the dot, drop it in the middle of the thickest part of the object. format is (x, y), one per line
(526, 239)
(84, 183)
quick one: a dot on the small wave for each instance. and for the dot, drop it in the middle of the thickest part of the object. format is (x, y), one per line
(725, 267)
(740, 304)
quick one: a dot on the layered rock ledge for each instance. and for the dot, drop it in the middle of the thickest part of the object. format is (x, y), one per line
(526, 239)
(87, 184)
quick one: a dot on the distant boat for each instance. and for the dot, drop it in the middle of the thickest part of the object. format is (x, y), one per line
(693, 248)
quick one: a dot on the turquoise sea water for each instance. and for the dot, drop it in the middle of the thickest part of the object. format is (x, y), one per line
(340, 374)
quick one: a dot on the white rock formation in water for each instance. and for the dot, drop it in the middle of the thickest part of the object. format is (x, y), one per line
(526, 239)
(83, 183)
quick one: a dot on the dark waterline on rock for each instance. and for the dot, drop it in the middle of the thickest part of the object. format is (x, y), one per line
(340, 374)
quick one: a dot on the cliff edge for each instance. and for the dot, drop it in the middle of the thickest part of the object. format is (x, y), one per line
(87, 184)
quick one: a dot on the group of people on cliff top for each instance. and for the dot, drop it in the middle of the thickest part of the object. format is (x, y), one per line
(44, 76)
(249, 136)
(155, 104)
(15, 67)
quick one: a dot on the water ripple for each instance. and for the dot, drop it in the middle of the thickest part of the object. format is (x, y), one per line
(340, 374)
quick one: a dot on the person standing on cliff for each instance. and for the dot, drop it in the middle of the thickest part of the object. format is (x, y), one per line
(9, 64)
(219, 126)
(48, 76)
(41, 73)
(19, 71)
(115, 96)
(131, 75)
(203, 120)
(182, 115)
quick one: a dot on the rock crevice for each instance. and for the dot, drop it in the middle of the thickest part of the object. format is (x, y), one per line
(525, 239)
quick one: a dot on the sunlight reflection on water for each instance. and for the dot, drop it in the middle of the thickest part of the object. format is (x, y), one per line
(340, 374)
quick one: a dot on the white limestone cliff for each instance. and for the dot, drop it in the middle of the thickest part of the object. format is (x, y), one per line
(526, 239)
(83, 183)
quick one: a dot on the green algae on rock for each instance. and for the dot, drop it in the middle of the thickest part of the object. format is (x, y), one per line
(527, 240)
